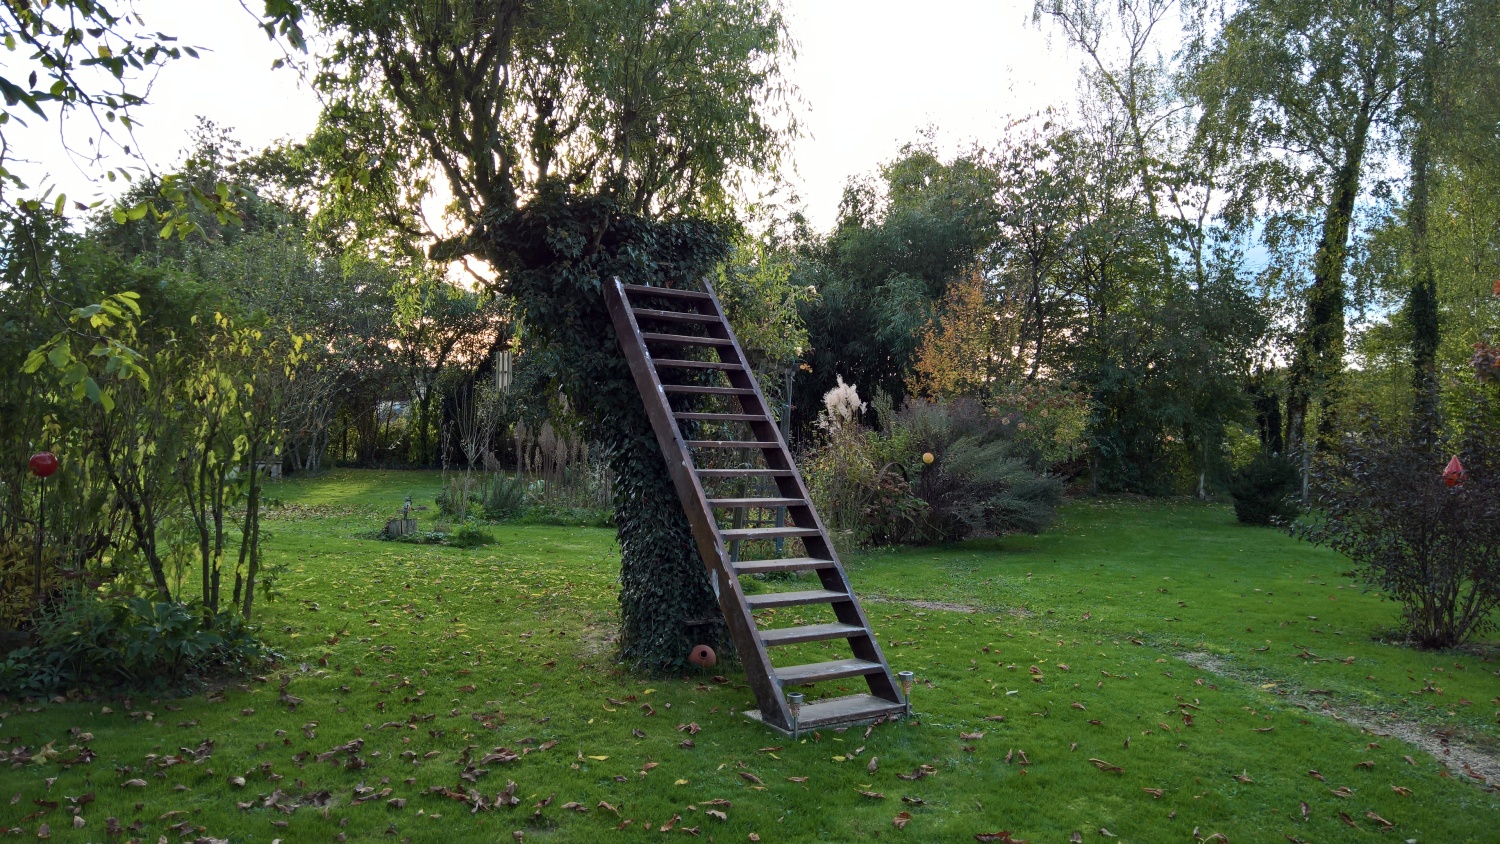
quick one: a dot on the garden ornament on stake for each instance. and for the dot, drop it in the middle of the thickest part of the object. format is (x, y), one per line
(43, 464)
(906, 678)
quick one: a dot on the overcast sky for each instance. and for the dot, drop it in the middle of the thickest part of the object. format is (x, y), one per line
(873, 74)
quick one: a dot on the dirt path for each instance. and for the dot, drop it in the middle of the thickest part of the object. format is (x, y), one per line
(1461, 758)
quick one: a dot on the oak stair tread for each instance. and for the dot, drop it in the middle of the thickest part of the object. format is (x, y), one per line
(767, 533)
(810, 633)
(732, 444)
(755, 502)
(781, 564)
(666, 292)
(817, 672)
(678, 316)
(849, 709)
(684, 339)
(723, 417)
(713, 391)
(766, 600)
(745, 473)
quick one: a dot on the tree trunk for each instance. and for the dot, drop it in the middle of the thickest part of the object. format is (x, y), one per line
(1422, 308)
(666, 603)
(251, 537)
(1319, 362)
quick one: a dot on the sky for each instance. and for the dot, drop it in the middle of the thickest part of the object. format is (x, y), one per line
(872, 74)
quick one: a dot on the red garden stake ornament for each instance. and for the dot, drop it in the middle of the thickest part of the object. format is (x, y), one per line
(1455, 474)
(43, 464)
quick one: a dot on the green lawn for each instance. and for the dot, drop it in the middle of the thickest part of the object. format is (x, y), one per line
(433, 657)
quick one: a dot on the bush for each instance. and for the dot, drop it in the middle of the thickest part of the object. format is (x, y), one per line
(132, 644)
(470, 535)
(858, 479)
(1384, 503)
(1264, 490)
(455, 495)
(504, 497)
(981, 480)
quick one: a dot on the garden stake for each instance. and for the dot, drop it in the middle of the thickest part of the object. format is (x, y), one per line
(906, 678)
(42, 464)
(794, 700)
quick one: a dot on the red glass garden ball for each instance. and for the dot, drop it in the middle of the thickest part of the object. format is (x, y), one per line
(1455, 475)
(43, 464)
(703, 656)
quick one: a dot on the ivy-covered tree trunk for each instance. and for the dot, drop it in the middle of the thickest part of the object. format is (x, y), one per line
(666, 603)
(555, 255)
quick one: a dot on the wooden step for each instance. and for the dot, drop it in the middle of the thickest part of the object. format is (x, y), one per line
(694, 364)
(745, 473)
(850, 709)
(818, 672)
(732, 444)
(728, 503)
(810, 633)
(666, 292)
(794, 599)
(713, 391)
(781, 565)
(731, 534)
(684, 339)
(677, 316)
(722, 417)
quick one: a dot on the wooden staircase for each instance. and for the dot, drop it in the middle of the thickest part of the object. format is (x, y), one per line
(688, 349)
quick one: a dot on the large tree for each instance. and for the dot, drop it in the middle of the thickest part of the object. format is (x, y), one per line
(1302, 95)
(590, 120)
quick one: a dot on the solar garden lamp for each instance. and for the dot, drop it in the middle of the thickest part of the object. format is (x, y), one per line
(794, 700)
(906, 678)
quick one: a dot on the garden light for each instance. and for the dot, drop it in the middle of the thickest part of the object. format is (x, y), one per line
(906, 678)
(794, 700)
(928, 458)
(1455, 474)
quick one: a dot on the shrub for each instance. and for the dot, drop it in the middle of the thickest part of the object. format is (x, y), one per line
(1264, 490)
(470, 535)
(504, 497)
(1435, 548)
(456, 493)
(981, 480)
(857, 478)
(130, 644)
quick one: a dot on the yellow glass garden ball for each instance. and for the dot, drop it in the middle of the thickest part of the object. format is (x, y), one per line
(928, 458)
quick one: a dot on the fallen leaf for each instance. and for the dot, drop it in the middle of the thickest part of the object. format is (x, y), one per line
(873, 795)
(1001, 837)
(901, 820)
(1105, 766)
